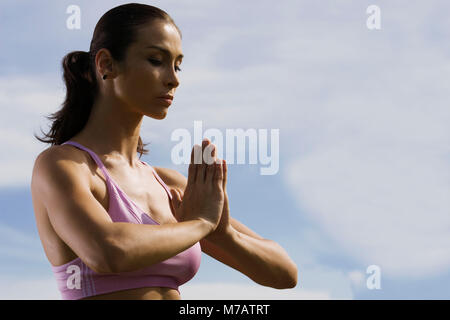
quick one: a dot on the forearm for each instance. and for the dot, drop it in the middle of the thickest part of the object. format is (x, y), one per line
(135, 246)
(262, 260)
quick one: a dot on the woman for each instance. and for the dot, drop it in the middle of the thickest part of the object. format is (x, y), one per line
(112, 226)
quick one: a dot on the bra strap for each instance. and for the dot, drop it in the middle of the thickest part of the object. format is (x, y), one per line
(93, 155)
(159, 179)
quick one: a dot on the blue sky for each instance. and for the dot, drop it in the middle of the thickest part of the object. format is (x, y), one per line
(363, 118)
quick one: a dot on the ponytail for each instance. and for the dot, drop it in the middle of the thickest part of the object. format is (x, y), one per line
(116, 31)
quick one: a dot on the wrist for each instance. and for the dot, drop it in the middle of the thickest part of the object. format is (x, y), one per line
(228, 235)
(207, 226)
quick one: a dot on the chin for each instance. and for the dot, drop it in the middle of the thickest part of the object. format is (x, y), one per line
(158, 116)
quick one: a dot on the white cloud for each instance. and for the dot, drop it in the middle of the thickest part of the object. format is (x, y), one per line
(28, 289)
(24, 102)
(237, 291)
(18, 245)
(373, 168)
(357, 278)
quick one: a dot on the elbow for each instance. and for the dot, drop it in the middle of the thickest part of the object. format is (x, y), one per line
(288, 283)
(292, 277)
(291, 282)
(289, 279)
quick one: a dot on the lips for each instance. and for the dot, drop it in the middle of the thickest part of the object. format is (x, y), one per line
(166, 101)
(167, 96)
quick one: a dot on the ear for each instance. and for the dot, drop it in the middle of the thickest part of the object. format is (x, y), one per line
(104, 63)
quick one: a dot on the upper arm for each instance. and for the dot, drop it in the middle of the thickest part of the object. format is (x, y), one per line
(74, 213)
(175, 179)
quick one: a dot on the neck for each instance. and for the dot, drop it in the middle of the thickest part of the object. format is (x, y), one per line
(112, 130)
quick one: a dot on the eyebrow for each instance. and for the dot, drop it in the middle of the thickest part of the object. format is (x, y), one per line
(165, 51)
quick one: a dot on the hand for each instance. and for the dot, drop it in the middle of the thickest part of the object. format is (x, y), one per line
(203, 197)
(224, 227)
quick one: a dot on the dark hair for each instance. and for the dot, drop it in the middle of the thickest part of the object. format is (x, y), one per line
(115, 31)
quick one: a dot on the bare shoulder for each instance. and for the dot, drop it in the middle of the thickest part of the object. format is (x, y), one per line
(172, 177)
(58, 156)
(62, 154)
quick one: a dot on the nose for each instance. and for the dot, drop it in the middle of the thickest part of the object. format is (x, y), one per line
(171, 79)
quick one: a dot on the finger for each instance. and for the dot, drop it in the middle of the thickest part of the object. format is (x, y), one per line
(224, 174)
(205, 143)
(214, 152)
(204, 171)
(176, 204)
(192, 153)
(209, 154)
(201, 172)
(209, 173)
(225, 203)
(176, 199)
(196, 163)
(218, 174)
(202, 167)
(196, 154)
(192, 173)
(180, 195)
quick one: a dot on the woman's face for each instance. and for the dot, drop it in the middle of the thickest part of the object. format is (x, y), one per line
(147, 73)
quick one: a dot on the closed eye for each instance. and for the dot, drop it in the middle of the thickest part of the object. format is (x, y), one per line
(158, 63)
(155, 62)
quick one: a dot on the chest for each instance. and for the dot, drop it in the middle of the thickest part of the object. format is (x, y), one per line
(141, 187)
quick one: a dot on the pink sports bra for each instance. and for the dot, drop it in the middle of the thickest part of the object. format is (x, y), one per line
(76, 280)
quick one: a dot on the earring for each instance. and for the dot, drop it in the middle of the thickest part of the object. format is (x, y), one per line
(104, 76)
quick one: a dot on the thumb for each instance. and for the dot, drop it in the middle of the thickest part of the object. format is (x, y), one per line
(176, 198)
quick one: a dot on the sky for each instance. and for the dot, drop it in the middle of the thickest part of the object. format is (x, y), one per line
(364, 140)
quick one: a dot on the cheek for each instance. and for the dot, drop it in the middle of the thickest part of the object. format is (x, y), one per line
(146, 76)
(139, 84)
(142, 79)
